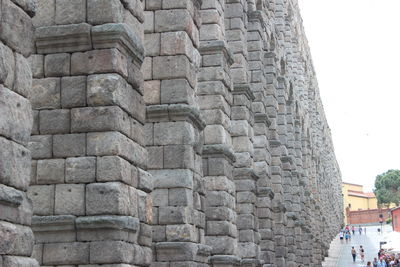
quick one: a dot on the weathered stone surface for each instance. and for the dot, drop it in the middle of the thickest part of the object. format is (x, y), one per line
(46, 93)
(16, 28)
(16, 239)
(80, 170)
(103, 11)
(65, 38)
(7, 66)
(23, 76)
(70, 11)
(15, 164)
(16, 116)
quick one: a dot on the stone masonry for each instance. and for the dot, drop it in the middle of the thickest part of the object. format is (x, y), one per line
(162, 133)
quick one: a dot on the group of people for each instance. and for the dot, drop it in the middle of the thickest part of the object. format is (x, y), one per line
(385, 260)
(346, 233)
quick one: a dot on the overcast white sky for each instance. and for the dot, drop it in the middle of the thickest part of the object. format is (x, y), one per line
(355, 47)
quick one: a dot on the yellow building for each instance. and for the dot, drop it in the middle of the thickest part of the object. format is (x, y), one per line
(355, 199)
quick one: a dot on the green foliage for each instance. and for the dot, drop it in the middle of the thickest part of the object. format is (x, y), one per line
(387, 187)
(388, 220)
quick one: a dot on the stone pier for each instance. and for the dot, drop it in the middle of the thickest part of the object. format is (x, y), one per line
(162, 133)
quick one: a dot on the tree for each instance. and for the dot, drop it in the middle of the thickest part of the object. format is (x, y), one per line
(387, 187)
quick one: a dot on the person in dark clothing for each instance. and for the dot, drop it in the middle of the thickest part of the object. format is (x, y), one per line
(353, 254)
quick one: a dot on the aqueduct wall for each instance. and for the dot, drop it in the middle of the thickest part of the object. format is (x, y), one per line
(162, 133)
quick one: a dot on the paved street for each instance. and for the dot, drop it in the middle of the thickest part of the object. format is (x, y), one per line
(340, 252)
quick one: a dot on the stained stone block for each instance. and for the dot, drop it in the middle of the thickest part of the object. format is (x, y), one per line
(111, 252)
(15, 164)
(7, 66)
(180, 197)
(112, 89)
(172, 178)
(174, 215)
(54, 121)
(42, 197)
(57, 64)
(222, 245)
(104, 11)
(165, 133)
(221, 228)
(70, 11)
(174, 67)
(73, 91)
(45, 14)
(18, 38)
(69, 145)
(108, 198)
(178, 156)
(41, 146)
(173, 20)
(23, 76)
(16, 116)
(50, 171)
(15, 261)
(111, 168)
(176, 91)
(70, 199)
(46, 93)
(80, 170)
(16, 239)
(181, 233)
(66, 253)
(99, 61)
(152, 92)
(176, 43)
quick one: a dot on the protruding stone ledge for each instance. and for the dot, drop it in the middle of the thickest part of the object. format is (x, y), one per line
(218, 151)
(256, 15)
(63, 38)
(262, 118)
(53, 223)
(108, 222)
(118, 35)
(107, 227)
(10, 196)
(225, 260)
(245, 173)
(265, 191)
(243, 89)
(176, 112)
(211, 47)
(251, 263)
(50, 229)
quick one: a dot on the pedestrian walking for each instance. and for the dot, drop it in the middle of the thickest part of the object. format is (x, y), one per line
(375, 262)
(365, 230)
(360, 229)
(369, 264)
(381, 263)
(347, 237)
(362, 254)
(353, 253)
(341, 235)
(353, 229)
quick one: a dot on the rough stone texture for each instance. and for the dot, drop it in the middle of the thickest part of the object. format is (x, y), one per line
(163, 133)
(16, 120)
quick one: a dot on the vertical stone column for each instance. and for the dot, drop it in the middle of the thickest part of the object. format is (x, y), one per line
(215, 100)
(262, 157)
(174, 132)
(16, 35)
(90, 188)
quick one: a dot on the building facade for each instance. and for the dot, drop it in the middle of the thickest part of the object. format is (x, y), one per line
(362, 207)
(396, 219)
(162, 133)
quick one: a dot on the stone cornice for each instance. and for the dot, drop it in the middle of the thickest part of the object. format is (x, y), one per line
(118, 35)
(210, 47)
(244, 89)
(175, 112)
(53, 223)
(63, 38)
(265, 191)
(262, 118)
(245, 173)
(229, 260)
(108, 222)
(219, 150)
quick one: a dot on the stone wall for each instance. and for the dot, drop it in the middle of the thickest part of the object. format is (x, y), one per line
(164, 133)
